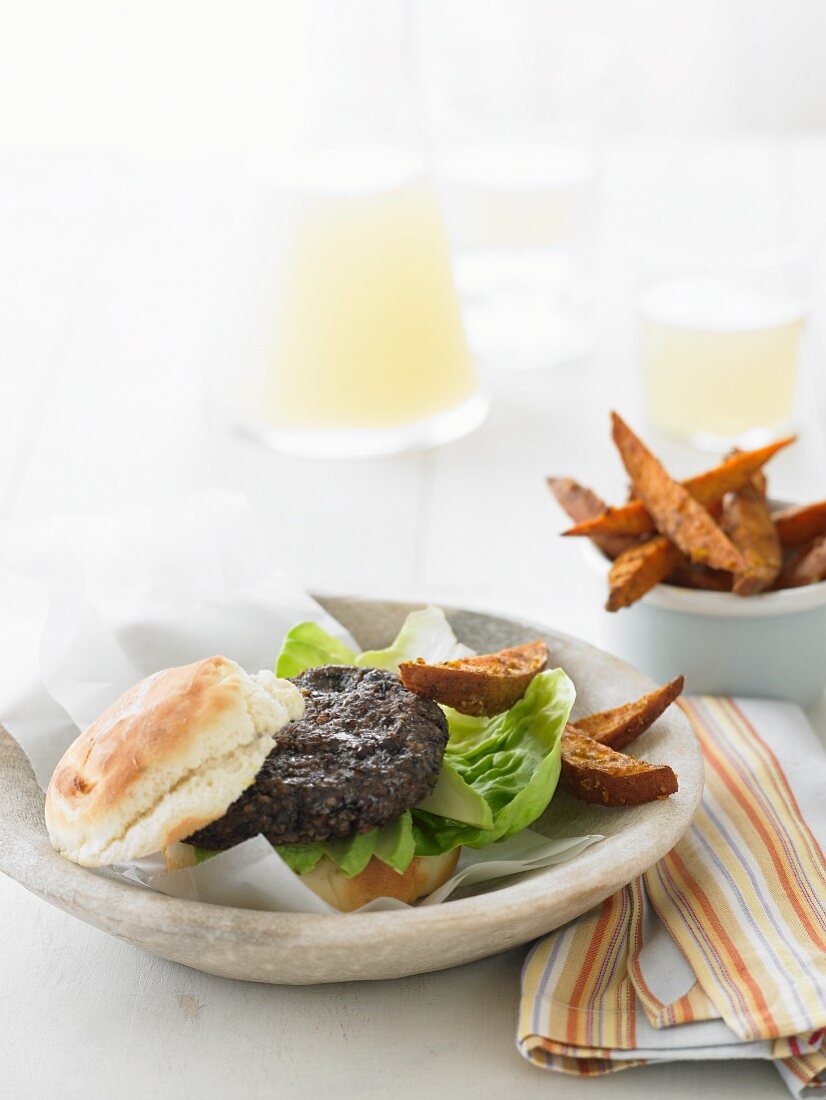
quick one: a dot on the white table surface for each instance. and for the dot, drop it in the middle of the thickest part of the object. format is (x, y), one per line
(119, 283)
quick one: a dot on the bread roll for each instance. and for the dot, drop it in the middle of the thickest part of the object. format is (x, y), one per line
(424, 875)
(167, 758)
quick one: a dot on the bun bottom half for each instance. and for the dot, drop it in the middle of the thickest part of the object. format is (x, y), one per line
(424, 875)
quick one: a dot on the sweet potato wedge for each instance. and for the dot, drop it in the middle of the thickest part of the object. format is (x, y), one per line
(481, 686)
(638, 569)
(807, 565)
(618, 727)
(708, 487)
(700, 577)
(801, 523)
(674, 510)
(597, 773)
(580, 504)
(578, 501)
(748, 523)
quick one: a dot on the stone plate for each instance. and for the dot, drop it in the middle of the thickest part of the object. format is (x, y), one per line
(303, 949)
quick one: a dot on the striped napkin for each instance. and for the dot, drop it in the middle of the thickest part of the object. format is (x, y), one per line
(719, 951)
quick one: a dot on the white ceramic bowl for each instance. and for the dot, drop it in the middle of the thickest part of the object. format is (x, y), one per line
(771, 645)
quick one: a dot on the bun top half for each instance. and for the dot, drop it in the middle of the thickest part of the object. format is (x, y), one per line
(166, 759)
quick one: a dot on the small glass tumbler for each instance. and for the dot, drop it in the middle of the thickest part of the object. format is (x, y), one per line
(721, 335)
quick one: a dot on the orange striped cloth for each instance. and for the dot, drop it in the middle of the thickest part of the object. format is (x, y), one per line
(719, 951)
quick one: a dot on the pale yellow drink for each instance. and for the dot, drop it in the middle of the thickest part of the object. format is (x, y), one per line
(367, 332)
(718, 360)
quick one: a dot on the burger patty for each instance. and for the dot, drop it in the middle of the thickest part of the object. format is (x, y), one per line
(366, 750)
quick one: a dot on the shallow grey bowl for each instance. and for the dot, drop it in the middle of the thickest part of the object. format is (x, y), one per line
(301, 949)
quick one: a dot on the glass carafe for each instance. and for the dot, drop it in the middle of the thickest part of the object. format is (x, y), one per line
(364, 351)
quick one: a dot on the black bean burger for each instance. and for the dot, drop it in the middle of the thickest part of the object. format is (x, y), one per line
(197, 759)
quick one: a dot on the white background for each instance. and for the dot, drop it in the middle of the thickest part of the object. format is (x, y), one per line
(181, 76)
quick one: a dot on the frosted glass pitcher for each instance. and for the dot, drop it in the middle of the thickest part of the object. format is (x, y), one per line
(365, 352)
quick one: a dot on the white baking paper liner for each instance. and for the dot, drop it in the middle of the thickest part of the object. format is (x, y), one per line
(253, 876)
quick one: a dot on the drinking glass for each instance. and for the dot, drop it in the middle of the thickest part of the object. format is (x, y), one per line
(513, 108)
(721, 334)
(364, 351)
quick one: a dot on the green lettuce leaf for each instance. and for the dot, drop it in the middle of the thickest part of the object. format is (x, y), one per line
(393, 844)
(352, 854)
(308, 646)
(513, 761)
(300, 858)
(454, 798)
(426, 634)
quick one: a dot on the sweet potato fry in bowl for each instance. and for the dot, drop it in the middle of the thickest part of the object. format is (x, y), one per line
(731, 589)
(700, 577)
(596, 773)
(801, 523)
(676, 513)
(716, 532)
(578, 501)
(482, 686)
(806, 566)
(638, 569)
(707, 488)
(748, 523)
(583, 504)
(619, 726)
